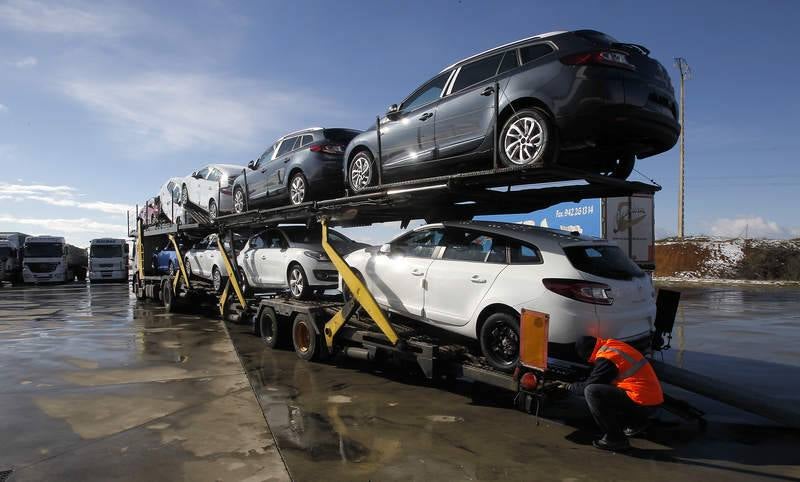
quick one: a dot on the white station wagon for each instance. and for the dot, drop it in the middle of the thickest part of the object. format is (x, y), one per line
(473, 278)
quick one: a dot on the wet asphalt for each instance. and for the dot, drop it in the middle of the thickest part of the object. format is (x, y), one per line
(94, 386)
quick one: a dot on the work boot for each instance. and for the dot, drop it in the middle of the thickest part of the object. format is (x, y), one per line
(605, 443)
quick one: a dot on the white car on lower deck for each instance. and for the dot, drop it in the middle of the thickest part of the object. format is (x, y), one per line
(204, 261)
(291, 257)
(474, 278)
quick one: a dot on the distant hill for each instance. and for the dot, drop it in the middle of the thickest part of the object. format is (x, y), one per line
(728, 259)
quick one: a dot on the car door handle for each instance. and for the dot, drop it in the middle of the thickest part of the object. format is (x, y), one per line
(286, 160)
(488, 91)
(417, 272)
(477, 279)
(425, 116)
(263, 257)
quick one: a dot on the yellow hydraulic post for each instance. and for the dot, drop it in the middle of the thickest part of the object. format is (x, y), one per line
(223, 298)
(359, 291)
(232, 281)
(179, 255)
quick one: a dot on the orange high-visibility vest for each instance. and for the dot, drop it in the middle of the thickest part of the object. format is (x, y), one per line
(636, 375)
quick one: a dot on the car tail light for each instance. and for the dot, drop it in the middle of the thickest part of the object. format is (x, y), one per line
(585, 291)
(602, 57)
(328, 148)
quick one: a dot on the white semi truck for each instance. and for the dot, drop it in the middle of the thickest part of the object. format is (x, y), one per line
(49, 259)
(108, 260)
(11, 245)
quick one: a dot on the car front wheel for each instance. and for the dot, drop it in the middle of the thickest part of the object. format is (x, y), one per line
(238, 200)
(361, 172)
(216, 277)
(298, 282)
(499, 339)
(212, 210)
(526, 139)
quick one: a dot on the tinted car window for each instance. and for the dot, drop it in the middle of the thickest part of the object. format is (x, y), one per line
(509, 61)
(340, 135)
(272, 240)
(300, 234)
(420, 244)
(476, 72)
(524, 254)
(604, 261)
(213, 175)
(202, 173)
(307, 139)
(533, 52)
(427, 93)
(267, 155)
(286, 146)
(176, 194)
(170, 186)
(461, 245)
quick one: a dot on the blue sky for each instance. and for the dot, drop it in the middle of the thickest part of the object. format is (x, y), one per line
(101, 102)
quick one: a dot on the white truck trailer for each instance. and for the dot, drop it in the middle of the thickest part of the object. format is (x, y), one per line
(49, 259)
(11, 245)
(108, 260)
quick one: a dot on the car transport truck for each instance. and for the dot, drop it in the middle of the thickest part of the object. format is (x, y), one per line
(108, 260)
(49, 259)
(11, 257)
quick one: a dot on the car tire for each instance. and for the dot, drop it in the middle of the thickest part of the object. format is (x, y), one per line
(171, 268)
(298, 189)
(307, 344)
(184, 195)
(297, 281)
(216, 280)
(361, 171)
(243, 284)
(622, 167)
(499, 339)
(239, 200)
(527, 139)
(188, 268)
(212, 210)
(269, 329)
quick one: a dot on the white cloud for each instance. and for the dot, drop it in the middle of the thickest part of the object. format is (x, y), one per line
(178, 111)
(35, 189)
(77, 231)
(752, 227)
(59, 18)
(26, 63)
(110, 208)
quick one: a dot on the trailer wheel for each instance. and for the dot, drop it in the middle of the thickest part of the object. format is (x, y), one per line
(269, 329)
(137, 289)
(499, 339)
(307, 344)
(168, 297)
(82, 275)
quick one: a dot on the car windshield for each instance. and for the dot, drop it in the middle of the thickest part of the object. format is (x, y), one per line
(44, 250)
(340, 135)
(604, 261)
(300, 234)
(105, 251)
(5, 252)
(596, 37)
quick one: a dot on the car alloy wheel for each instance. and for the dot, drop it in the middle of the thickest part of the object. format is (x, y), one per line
(523, 141)
(360, 172)
(499, 340)
(171, 270)
(184, 195)
(297, 189)
(212, 210)
(238, 200)
(297, 282)
(217, 278)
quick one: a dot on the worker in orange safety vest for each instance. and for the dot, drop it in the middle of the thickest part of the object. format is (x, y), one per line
(622, 391)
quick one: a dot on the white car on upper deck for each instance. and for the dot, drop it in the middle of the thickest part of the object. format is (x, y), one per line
(474, 278)
(210, 188)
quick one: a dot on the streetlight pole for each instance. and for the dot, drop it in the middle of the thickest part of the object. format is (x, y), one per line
(685, 73)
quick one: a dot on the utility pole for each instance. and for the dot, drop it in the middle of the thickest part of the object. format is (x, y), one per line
(686, 74)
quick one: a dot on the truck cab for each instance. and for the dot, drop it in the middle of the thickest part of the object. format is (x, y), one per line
(11, 248)
(49, 259)
(108, 259)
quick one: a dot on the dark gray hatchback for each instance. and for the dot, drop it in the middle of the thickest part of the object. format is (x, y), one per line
(581, 99)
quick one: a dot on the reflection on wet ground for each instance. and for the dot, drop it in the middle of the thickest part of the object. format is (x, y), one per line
(96, 387)
(348, 420)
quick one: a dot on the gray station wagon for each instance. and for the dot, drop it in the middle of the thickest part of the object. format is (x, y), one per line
(580, 98)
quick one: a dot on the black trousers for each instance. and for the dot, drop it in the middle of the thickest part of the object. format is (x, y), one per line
(613, 410)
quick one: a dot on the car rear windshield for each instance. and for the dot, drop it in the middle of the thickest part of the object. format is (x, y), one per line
(340, 135)
(105, 251)
(603, 261)
(596, 37)
(301, 235)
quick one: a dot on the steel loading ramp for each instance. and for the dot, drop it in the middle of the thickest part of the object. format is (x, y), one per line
(461, 196)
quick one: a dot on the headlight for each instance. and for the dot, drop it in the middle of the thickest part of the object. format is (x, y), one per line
(316, 255)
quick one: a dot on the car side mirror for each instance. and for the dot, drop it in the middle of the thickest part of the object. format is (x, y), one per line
(194, 174)
(252, 165)
(385, 249)
(393, 109)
